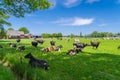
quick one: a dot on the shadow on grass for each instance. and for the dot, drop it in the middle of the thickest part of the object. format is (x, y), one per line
(86, 66)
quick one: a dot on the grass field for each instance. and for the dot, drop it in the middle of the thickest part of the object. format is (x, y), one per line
(92, 64)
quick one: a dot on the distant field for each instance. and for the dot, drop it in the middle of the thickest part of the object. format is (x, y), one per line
(92, 64)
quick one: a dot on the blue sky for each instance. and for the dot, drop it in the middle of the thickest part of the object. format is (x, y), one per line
(73, 16)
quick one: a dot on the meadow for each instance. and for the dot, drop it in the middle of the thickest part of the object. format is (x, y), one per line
(92, 64)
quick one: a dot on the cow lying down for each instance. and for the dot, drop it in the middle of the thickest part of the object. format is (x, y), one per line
(21, 48)
(1, 46)
(73, 51)
(52, 48)
(58, 48)
(12, 45)
(48, 49)
(37, 62)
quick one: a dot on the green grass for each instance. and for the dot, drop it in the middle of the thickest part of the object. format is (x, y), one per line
(92, 64)
(6, 74)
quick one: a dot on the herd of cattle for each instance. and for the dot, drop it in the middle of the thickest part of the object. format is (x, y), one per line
(77, 48)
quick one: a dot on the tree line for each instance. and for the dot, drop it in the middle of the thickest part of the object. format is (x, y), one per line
(103, 34)
(94, 34)
(47, 35)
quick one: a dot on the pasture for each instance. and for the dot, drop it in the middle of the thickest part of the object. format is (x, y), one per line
(92, 64)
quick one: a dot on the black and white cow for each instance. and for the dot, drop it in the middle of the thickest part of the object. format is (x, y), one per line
(34, 43)
(37, 62)
(73, 51)
(21, 48)
(18, 40)
(1, 46)
(95, 44)
(79, 45)
(40, 41)
(58, 48)
(12, 45)
(52, 43)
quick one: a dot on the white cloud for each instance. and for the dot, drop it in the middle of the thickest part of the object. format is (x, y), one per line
(101, 25)
(92, 1)
(76, 21)
(70, 3)
(118, 1)
(66, 3)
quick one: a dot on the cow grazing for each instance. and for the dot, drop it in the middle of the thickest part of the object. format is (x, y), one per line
(37, 62)
(21, 48)
(118, 47)
(34, 43)
(1, 46)
(79, 45)
(52, 43)
(12, 45)
(95, 44)
(40, 41)
(58, 48)
(18, 40)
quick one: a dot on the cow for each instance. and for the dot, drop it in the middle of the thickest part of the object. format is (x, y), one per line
(21, 48)
(40, 41)
(76, 40)
(37, 62)
(34, 43)
(73, 51)
(12, 45)
(1, 46)
(18, 40)
(58, 48)
(79, 45)
(95, 44)
(52, 43)
(48, 49)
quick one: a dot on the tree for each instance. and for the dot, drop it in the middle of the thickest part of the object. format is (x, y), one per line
(18, 8)
(2, 32)
(110, 34)
(118, 34)
(45, 35)
(72, 35)
(103, 34)
(24, 29)
(81, 34)
(94, 34)
(10, 29)
(59, 35)
(3, 21)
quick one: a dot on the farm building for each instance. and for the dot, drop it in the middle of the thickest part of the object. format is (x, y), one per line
(17, 34)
